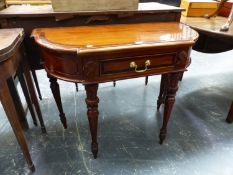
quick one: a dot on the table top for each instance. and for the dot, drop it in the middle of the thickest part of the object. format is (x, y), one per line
(47, 10)
(211, 26)
(9, 40)
(86, 39)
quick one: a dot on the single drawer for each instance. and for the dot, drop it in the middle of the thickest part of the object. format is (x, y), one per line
(137, 64)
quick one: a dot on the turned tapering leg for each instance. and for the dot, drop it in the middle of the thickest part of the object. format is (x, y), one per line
(114, 83)
(56, 94)
(9, 107)
(163, 91)
(31, 90)
(92, 112)
(229, 118)
(172, 87)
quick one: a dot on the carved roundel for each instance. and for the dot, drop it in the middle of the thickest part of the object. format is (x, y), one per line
(91, 69)
(182, 59)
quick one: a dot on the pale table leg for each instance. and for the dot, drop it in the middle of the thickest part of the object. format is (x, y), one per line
(8, 105)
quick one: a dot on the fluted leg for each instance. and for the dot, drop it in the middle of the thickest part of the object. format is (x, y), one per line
(56, 94)
(9, 107)
(229, 118)
(92, 112)
(172, 87)
(163, 91)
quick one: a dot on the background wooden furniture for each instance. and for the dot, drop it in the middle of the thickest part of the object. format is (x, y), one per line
(95, 54)
(30, 17)
(11, 59)
(212, 40)
(37, 2)
(32, 2)
(197, 8)
(169, 2)
(226, 8)
(2, 4)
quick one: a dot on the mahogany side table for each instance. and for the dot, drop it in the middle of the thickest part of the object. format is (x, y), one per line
(95, 54)
(11, 60)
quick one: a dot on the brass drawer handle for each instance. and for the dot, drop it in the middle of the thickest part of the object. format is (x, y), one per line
(135, 66)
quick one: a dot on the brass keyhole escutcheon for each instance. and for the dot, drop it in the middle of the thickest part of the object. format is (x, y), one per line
(134, 66)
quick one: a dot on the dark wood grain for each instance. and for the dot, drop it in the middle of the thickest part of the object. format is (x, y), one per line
(94, 54)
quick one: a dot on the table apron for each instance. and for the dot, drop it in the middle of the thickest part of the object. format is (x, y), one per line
(114, 66)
